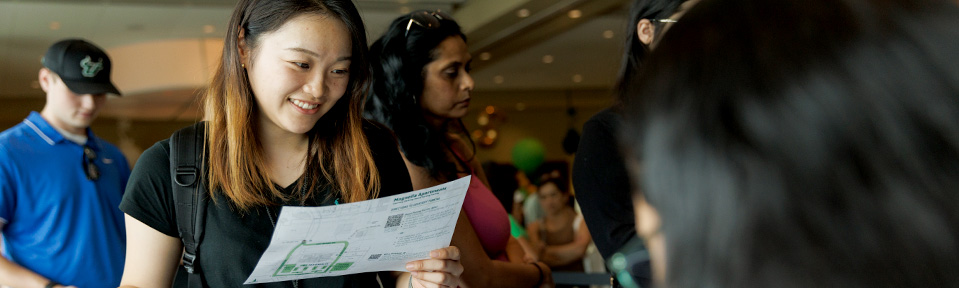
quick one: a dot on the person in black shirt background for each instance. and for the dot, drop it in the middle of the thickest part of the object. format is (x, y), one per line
(600, 179)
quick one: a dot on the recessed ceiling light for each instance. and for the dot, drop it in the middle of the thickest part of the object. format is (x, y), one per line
(209, 29)
(404, 9)
(498, 79)
(609, 34)
(548, 59)
(522, 13)
(577, 78)
(55, 25)
(488, 141)
(491, 133)
(575, 13)
(485, 56)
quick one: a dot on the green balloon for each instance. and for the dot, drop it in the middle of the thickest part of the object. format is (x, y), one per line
(528, 154)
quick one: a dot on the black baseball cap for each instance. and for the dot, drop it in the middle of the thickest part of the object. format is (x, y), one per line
(82, 66)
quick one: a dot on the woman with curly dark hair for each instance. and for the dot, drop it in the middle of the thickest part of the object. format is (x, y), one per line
(421, 89)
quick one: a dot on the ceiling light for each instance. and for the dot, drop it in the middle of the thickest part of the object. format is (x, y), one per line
(575, 13)
(55, 25)
(608, 34)
(548, 59)
(485, 56)
(522, 13)
(490, 109)
(491, 133)
(577, 78)
(498, 79)
(482, 120)
(488, 141)
(209, 29)
(404, 9)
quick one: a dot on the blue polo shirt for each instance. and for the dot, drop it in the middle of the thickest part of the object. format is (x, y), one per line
(56, 222)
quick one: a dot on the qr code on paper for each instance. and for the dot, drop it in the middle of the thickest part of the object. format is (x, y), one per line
(394, 220)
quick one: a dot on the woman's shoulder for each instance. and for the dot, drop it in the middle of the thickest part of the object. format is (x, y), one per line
(608, 119)
(156, 155)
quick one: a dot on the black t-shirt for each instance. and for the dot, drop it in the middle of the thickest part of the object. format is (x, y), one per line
(233, 242)
(602, 184)
(603, 188)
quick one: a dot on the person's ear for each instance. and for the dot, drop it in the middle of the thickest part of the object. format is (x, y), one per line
(242, 48)
(645, 31)
(46, 78)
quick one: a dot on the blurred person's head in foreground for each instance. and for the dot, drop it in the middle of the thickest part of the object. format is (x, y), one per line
(801, 144)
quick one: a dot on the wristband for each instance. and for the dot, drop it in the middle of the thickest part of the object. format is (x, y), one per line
(540, 281)
(51, 284)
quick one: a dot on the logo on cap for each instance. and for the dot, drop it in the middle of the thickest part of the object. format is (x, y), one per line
(90, 68)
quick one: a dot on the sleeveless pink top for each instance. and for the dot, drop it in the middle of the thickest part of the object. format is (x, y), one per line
(488, 217)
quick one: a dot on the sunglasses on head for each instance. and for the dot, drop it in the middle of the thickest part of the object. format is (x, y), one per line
(426, 19)
(89, 165)
(665, 20)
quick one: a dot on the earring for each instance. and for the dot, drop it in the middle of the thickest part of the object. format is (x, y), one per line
(243, 65)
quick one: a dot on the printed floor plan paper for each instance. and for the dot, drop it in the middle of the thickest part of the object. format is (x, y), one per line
(375, 235)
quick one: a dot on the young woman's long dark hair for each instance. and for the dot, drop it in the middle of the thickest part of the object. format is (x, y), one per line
(399, 61)
(804, 143)
(338, 154)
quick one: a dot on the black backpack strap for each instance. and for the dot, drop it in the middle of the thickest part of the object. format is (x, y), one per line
(189, 193)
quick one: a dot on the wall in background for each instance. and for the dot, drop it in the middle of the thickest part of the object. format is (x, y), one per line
(541, 115)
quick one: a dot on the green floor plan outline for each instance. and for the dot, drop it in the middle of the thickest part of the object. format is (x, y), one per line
(314, 258)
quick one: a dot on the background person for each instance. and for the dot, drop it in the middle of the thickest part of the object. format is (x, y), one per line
(560, 238)
(421, 90)
(285, 128)
(801, 144)
(602, 185)
(60, 184)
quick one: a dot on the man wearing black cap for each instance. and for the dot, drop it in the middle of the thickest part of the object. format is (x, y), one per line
(60, 185)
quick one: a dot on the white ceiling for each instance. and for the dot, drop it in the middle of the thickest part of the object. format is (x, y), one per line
(143, 32)
(582, 50)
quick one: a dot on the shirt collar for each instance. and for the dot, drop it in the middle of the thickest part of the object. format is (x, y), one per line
(51, 135)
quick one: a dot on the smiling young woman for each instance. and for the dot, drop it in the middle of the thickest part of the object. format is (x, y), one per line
(284, 127)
